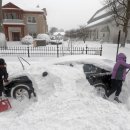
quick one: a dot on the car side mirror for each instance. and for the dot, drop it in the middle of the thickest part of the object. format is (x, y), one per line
(44, 74)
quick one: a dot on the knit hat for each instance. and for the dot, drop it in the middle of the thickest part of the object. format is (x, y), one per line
(121, 56)
(2, 61)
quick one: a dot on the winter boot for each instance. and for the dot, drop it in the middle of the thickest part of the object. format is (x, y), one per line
(117, 99)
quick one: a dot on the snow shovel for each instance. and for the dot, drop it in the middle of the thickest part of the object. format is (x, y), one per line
(4, 105)
(127, 71)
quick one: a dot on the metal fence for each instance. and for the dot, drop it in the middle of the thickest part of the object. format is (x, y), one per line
(56, 50)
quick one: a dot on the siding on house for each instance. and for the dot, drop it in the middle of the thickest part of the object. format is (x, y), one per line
(102, 27)
(18, 22)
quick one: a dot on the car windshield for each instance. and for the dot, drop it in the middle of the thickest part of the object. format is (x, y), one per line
(89, 68)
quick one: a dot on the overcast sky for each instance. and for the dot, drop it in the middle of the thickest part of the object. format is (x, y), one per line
(65, 14)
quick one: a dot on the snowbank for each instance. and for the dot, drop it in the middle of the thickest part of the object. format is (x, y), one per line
(3, 42)
(27, 40)
(66, 101)
(43, 37)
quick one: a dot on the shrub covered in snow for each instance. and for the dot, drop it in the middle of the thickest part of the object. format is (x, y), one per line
(43, 37)
(27, 40)
(3, 42)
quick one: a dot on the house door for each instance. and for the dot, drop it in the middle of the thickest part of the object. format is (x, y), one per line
(16, 36)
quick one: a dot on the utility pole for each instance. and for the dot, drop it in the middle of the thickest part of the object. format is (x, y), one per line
(1, 17)
(118, 42)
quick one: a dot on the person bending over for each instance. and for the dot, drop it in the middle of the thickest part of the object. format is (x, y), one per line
(3, 75)
(118, 76)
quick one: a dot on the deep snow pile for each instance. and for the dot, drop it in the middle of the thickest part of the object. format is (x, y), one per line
(2, 40)
(27, 40)
(65, 100)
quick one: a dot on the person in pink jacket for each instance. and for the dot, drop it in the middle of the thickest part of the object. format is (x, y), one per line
(118, 76)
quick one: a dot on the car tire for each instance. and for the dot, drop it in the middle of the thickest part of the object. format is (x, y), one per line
(100, 89)
(20, 91)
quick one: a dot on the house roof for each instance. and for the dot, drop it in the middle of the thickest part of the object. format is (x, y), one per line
(59, 33)
(102, 15)
(100, 21)
(11, 5)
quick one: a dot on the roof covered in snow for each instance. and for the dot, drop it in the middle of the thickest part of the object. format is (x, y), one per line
(21, 7)
(59, 33)
(100, 21)
(102, 15)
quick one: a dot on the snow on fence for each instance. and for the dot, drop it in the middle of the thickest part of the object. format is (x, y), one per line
(48, 51)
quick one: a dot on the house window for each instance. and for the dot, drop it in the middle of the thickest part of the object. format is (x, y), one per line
(34, 35)
(31, 20)
(10, 16)
(97, 34)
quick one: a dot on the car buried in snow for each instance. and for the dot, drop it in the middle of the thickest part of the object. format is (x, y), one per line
(19, 87)
(97, 69)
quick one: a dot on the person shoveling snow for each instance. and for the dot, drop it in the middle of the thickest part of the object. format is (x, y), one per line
(118, 76)
(3, 75)
(4, 102)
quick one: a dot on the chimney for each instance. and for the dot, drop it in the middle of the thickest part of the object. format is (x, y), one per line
(45, 12)
(37, 6)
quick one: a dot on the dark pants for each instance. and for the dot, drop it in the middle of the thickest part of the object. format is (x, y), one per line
(1, 87)
(116, 86)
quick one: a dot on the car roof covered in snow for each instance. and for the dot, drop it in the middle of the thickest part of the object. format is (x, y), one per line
(99, 61)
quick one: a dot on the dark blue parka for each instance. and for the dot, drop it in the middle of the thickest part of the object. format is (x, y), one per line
(3, 71)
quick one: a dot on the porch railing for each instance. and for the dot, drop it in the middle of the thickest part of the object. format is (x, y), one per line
(13, 21)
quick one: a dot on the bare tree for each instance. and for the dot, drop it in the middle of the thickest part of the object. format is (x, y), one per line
(83, 32)
(121, 13)
(1, 16)
(53, 29)
(72, 34)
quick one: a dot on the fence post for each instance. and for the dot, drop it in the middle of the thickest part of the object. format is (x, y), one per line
(28, 51)
(86, 49)
(101, 51)
(57, 50)
(71, 47)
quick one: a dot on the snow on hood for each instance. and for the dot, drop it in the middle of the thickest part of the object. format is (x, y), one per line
(43, 37)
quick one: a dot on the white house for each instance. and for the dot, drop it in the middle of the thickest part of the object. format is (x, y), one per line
(103, 27)
(59, 35)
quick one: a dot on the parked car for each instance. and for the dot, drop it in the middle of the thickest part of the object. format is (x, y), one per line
(19, 87)
(97, 69)
(39, 42)
(55, 42)
(98, 77)
(43, 37)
